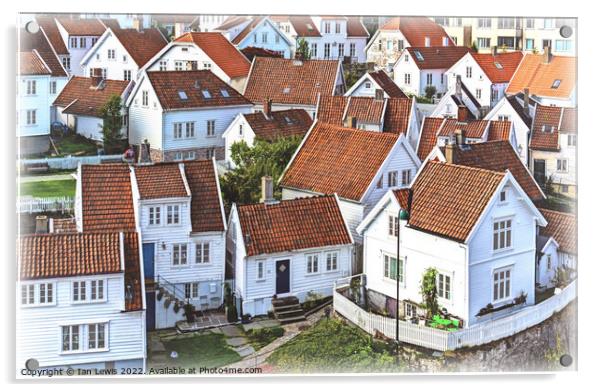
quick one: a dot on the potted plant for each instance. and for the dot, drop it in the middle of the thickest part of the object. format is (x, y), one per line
(189, 312)
(246, 318)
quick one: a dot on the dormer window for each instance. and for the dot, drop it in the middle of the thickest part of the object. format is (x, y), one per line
(206, 94)
(556, 83)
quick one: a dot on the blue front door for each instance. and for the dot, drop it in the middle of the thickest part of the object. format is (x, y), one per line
(148, 253)
(283, 276)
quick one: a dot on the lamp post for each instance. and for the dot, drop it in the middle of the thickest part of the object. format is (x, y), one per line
(402, 214)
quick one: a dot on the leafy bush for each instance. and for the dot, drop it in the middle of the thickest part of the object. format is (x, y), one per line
(430, 91)
(259, 338)
(428, 289)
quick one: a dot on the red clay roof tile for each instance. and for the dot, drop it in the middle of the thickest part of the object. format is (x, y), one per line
(141, 45)
(387, 85)
(417, 29)
(206, 209)
(81, 98)
(437, 57)
(544, 134)
(498, 68)
(28, 42)
(563, 227)
(282, 123)
(428, 136)
(82, 27)
(50, 28)
(160, 181)
(534, 74)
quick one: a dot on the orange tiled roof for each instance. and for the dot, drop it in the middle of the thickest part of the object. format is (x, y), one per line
(282, 123)
(30, 63)
(437, 57)
(428, 136)
(47, 60)
(304, 25)
(355, 27)
(64, 225)
(498, 68)
(331, 109)
(416, 28)
(498, 156)
(159, 181)
(81, 98)
(563, 227)
(291, 81)
(141, 45)
(473, 129)
(205, 205)
(365, 109)
(387, 85)
(397, 115)
(544, 134)
(133, 284)
(168, 85)
(221, 51)
(107, 203)
(48, 25)
(533, 73)
(447, 199)
(288, 225)
(333, 159)
(61, 255)
(499, 130)
(82, 27)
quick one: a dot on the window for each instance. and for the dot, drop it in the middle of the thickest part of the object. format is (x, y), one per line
(111, 54)
(406, 176)
(97, 292)
(254, 38)
(260, 269)
(506, 23)
(478, 93)
(31, 117)
(314, 50)
(393, 224)
(407, 78)
(529, 44)
(190, 129)
(190, 156)
(210, 153)
(67, 63)
(572, 140)
(341, 50)
(563, 45)
(210, 127)
(240, 132)
(28, 294)
(505, 42)
(127, 74)
(562, 165)
(503, 117)
(154, 216)
(94, 41)
(144, 98)
(548, 262)
(73, 42)
(564, 188)
(548, 23)
(502, 234)
(390, 268)
(71, 336)
(163, 65)
(264, 37)
(224, 93)
(327, 27)
(206, 65)
(179, 65)
(444, 286)
(392, 179)
(124, 58)
(82, 42)
(530, 23)
(79, 291)
(469, 72)
(31, 87)
(312, 264)
(501, 284)
(503, 196)
(352, 50)
(178, 254)
(177, 130)
(202, 253)
(556, 83)
(484, 23)
(178, 156)
(46, 293)
(52, 87)
(429, 79)
(326, 50)
(191, 290)
(484, 43)
(173, 214)
(96, 336)
(332, 261)
(379, 183)
(337, 28)
(277, 38)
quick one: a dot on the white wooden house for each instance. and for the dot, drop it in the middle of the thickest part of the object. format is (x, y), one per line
(79, 36)
(206, 50)
(183, 114)
(458, 96)
(485, 75)
(177, 209)
(121, 53)
(275, 250)
(478, 231)
(557, 247)
(420, 67)
(80, 302)
(375, 84)
(357, 165)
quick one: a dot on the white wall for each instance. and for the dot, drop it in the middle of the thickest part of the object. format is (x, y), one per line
(76, 53)
(232, 135)
(478, 80)
(545, 275)
(115, 67)
(503, 108)
(145, 122)
(275, 40)
(38, 102)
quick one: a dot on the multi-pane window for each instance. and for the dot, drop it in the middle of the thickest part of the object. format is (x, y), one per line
(46, 293)
(562, 45)
(190, 156)
(326, 49)
(97, 292)
(444, 286)
(260, 269)
(562, 165)
(191, 290)
(163, 65)
(502, 234)
(314, 50)
(71, 338)
(96, 336)
(127, 74)
(177, 130)
(210, 153)
(210, 127)
(337, 28)
(28, 294)
(52, 87)
(505, 42)
(312, 264)
(530, 23)
(94, 40)
(390, 268)
(406, 176)
(73, 42)
(179, 65)
(264, 37)
(79, 291)
(503, 117)
(407, 78)
(31, 87)
(429, 79)
(31, 117)
(529, 44)
(145, 98)
(549, 262)
(352, 49)
(341, 50)
(202, 253)
(82, 42)
(154, 215)
(190, 129)
(506, 23)
(332, 261)
(572, 139)
(67, 63)
(501, 284)
(469, 72)
(111, 54)
(478, 93)
(327, 27)
(178, 254)
(484, 42)
(392, 179)
(484, 23)
(173, 214)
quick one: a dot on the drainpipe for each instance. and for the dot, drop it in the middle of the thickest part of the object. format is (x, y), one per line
(402, 214)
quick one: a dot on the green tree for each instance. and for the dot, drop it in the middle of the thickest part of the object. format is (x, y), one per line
(430, 91)
(265, 158)
(303, 49)
(428, 289)
(112, 124)
(474, 46)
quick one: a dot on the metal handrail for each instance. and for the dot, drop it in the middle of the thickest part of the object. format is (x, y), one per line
(175, 289)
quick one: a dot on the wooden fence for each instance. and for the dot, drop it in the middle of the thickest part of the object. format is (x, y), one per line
(474, 335)
(45, 204)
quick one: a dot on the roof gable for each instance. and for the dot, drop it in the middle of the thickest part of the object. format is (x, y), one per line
(417, 29)
(281, 123)
(42, 59)
(563, 228)
(439, 57)
(159, 181)
(81, 97)
(141, 45)
(499, 68)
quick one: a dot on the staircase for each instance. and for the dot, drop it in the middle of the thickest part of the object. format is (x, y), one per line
(288, 310)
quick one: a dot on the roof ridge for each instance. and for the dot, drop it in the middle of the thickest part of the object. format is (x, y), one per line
(287, 201)
(568, 214)
(470, 168)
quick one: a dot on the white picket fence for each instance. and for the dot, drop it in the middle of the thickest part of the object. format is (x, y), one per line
(45, 204)
(475, 335)
(70, 162)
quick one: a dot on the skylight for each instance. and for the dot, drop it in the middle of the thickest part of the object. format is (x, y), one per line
(286, 90)
(287, 120)
(498, 65)
(419, 56)
(556, 83)
(206, 94)
(309, 27)
(183, 95)
(225, 93)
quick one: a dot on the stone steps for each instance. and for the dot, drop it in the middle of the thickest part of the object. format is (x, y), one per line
(288, 310)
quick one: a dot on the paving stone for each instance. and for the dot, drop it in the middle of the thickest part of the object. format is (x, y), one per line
(261, 324)
(157, 346)
(243, 351)
(236, 342)
(231, 331)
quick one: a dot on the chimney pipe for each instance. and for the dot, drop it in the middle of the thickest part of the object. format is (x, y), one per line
(449, 152)
(267, 189)
(96, 78)
(494, 50)
(459, 137)
(462, 113)
(41, 224)
(547, 55)
(144, 152)
(267, 108)
(379, 94)
(459, 86)
(526, 101)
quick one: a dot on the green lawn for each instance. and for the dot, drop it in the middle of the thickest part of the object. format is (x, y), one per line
(209, 350)
(54, 188)
(332, 346)
(76, 144)
(259, 338)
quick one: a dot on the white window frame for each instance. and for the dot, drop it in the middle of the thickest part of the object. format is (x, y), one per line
(173, 214)
(502, 286)
(163, 65)
(28, 292)
(393, 225)
(48, 287)
(178, 130)
(387, 272)
(179, 255)
(79, 287)
(202, 252)
(332, 258)
(392, 179)
(502, 234)
(444, 285)
(52, 87)
(127, 74)
(70, 334)
(571, 140)
(562, 165)
(260, 268)
(111, 54)
(154, 216)
(312, 263)
(406, 176)
(31, 87)
(190, 129)
(210, 128)
(98, 329)
(97, 290)
(32, 117)
(145, 98)
(191, 290)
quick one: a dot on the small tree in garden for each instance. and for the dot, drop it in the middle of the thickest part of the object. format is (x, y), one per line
(303, 49)
(430, 91)
(428, 289)
(112, 124)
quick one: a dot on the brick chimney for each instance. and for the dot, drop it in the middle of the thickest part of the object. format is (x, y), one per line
(449, 151)
(96, 78)
(350, 122)
(41, 224)
(137, 24)
(494, 50)
(459, 86)
(267, 108)
(526, 101)
(547, 55)
(144, 155)
(267, 189)
(462, 113)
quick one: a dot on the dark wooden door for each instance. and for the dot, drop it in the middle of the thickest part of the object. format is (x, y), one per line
(539, 171)
(283, 276)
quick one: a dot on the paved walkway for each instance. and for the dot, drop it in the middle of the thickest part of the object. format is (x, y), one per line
(50, 177)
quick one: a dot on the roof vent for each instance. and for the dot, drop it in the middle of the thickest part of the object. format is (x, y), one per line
(286, 90)
(197, 84)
